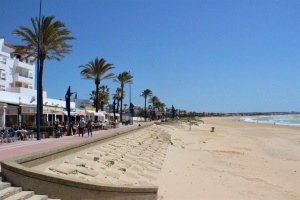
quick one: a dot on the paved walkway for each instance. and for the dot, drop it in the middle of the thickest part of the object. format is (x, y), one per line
(19, 148)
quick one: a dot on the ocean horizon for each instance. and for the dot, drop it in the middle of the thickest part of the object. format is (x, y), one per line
(285, 120)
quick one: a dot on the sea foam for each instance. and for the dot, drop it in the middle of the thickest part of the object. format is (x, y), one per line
(287, 120)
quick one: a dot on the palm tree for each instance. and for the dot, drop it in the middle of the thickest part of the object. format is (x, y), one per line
(123, 78)
(117, 97)
(125, 105)
(53, 46)
(146, 93)
(103, 96)
(93, 97)
(155, 101)
(95, 70)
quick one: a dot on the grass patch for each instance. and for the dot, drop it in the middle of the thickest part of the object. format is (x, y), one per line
(122, 169)
(110, 163)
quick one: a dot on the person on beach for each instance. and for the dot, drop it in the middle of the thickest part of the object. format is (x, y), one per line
(89, 127)
(64, 129)
(56, 129)
(81, 126)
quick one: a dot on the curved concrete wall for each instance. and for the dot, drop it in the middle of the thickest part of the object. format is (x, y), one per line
(18, 171)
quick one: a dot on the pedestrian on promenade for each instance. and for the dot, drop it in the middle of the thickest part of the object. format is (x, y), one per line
(89, 127)
(81, 126)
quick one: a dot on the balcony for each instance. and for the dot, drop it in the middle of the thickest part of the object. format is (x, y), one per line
(2, 66)
(21, 64)
(22, 90)
(2, 82)
(23, 79)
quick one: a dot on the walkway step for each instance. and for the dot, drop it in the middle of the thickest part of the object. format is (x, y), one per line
(4, 185)
(38, 197)
(7, 192)
(21, 195)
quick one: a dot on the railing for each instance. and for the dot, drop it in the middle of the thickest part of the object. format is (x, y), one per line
(23, 78)
(19, 63)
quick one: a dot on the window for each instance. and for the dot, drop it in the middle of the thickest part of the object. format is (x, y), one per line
(18, 84)
(2, 88)
(3, 59)
(2, 75)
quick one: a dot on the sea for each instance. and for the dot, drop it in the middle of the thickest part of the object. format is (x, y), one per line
(287, 120)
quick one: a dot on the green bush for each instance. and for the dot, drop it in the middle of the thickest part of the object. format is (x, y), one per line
(42, 128)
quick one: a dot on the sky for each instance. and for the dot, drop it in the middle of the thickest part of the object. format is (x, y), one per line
(198, 55)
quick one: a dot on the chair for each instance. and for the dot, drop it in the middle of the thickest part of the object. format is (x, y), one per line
(29, 135)
(1, 136)
(5, 138)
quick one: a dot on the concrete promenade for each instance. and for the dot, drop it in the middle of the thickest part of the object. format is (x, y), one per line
(19, 148)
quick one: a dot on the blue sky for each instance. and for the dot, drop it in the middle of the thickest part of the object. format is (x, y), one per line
(202, 55)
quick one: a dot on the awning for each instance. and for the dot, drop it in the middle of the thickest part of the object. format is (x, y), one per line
(28, 109)
(103, 112)
(73, 114)
(99, 114)
(52, 112)
(112, 114)
(90, 112)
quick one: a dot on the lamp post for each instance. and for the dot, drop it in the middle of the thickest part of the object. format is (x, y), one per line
(38, 103)
(131, 122)
(19, 113)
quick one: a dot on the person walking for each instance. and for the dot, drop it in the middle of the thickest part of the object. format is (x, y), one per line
(81, 126)
(89, 128)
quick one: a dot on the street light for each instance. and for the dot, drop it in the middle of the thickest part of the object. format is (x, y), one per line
(131, 122)
(38, 100)
(75, 98)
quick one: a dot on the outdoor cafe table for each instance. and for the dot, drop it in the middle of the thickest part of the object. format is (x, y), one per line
(25, 134)
(97, 126)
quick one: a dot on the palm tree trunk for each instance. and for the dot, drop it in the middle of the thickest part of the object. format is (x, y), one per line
(118, 103)
(121, 103)
(145, 109)
(97, 97)
(121, 110)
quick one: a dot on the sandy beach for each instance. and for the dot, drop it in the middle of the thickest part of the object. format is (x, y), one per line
(238, 160)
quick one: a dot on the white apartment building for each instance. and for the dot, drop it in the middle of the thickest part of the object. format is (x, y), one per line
(17, 93)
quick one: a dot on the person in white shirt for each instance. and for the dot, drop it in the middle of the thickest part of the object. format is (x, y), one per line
(81, 127)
